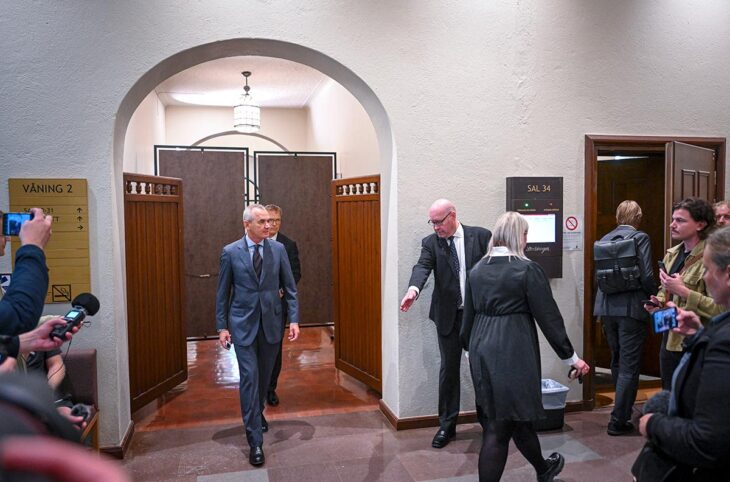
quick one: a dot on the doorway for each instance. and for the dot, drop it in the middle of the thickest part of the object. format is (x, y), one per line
(655, 172)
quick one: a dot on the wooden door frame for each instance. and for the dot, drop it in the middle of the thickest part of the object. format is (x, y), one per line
(593, 143)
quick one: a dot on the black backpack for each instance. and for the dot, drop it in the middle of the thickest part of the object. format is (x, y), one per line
(617, 264)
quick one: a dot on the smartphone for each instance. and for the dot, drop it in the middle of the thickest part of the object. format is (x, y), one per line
(228, 345)
(13, 221)
(661, 266)
(664, 320)
(650, 303)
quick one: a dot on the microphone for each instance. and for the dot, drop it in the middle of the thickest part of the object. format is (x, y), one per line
(83, 305)
(659, 403)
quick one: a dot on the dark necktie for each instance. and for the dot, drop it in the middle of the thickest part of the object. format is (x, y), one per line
(258, 262)
(456, 266)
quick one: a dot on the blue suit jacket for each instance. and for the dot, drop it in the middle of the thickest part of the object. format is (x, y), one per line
(244, 302)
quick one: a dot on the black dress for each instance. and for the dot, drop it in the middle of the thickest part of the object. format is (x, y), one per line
(505, 295)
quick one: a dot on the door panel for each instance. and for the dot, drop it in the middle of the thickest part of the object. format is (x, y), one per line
(153, 217)
(214, 205)
(299, 184)
(692, 173)
(643, 181)
(356, 271)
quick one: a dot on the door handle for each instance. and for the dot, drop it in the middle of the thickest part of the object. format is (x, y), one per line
(206, 275)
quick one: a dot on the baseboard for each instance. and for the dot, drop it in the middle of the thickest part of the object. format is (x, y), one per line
(408, 423)
(118, 451)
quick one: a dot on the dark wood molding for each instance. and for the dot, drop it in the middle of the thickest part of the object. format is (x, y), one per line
(409, 423)
(594, 143)
(118, 451)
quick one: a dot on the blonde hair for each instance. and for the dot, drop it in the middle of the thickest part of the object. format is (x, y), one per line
(629, 212)
(508, 232)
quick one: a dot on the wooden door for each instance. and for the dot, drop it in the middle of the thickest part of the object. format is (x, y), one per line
(299, 185)
(642, 180)
(356, 272)
(691, 172)
(153, 217)
(213, 196)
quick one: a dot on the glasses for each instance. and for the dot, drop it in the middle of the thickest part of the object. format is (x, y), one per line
(439, 223)
(275, 220)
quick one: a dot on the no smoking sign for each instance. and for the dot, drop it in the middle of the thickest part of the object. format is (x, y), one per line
(571, 223)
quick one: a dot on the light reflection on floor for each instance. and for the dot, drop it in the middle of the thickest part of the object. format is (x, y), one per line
(309, 385)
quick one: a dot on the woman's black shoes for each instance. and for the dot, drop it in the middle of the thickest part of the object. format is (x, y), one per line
(555, 464)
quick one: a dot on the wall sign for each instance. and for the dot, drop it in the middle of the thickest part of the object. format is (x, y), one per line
(67, 252)
(540, 200)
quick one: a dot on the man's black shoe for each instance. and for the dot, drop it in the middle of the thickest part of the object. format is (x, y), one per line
(442, 438)
(256, 457)
(264, 424)
(615, 428)
(555, 464)
(272, 398)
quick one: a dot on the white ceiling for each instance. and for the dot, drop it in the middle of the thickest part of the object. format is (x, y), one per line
(273, 82)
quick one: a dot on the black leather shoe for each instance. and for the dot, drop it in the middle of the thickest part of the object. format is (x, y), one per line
(256, 457)
(264, 424)
(272, 398)
(555, 464)
(442, 438)
(615, 428)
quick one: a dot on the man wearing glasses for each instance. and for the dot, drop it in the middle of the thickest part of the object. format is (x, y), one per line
(449, 252)
(292, 253)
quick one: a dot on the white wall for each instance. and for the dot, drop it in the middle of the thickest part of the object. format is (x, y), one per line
(338, 123)
(474, 92)
(186, 125)
(146, 129)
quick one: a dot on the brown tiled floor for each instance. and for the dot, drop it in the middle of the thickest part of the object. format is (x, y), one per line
(328, 428)
(308, 385)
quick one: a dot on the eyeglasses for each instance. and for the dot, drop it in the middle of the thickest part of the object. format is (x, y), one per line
(439, 223)
(275, 220)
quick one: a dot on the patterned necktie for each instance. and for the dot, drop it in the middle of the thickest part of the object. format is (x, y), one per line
(456, 266)
(258, 262)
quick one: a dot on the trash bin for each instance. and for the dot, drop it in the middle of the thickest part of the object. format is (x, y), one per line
(553, 401)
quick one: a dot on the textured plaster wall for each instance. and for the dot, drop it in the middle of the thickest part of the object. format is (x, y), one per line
(337, 122)
(474, 92)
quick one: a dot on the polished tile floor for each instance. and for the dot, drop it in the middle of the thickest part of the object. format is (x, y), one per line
(328, 428)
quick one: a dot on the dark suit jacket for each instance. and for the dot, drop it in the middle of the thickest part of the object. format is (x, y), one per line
(436, 257)
(243, 302)
(628, 304)
(699, 435)
(293, 253)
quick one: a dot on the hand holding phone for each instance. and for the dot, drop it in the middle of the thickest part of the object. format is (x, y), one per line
(650, 303)
(664, 320)
(13, 221)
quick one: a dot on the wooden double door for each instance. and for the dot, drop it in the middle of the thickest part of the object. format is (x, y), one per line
(215, 186)
(656, 173)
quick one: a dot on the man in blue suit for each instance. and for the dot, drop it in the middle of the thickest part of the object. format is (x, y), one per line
(249, 315)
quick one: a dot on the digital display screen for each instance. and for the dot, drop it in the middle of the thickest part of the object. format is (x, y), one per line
(542, 228)
(72, 315)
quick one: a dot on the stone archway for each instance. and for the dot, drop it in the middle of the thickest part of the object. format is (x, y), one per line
(351, 82)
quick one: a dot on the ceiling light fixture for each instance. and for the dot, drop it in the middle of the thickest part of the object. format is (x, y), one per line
(247, 114)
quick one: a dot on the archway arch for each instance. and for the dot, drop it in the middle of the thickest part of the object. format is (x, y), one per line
(383, 131)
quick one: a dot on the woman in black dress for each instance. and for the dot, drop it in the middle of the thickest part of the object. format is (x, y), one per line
(506, 294)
